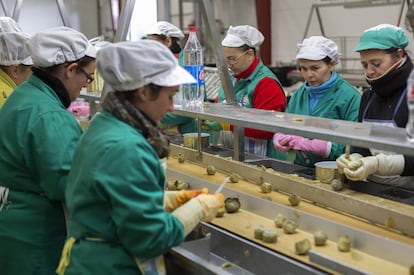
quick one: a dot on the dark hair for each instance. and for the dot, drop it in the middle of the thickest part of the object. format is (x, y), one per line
(129, 95)
(327, 60)
(175, 45)
(246, 47)
(22, 67)
(394, 52)
(155, 90)
(83, 62)
(160, 37)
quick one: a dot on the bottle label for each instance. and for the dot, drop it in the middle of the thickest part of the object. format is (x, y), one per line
(197, 71)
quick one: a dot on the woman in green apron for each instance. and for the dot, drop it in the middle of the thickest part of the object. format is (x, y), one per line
(37, 140)
(387, 67)
(324, 94)
(121, 218)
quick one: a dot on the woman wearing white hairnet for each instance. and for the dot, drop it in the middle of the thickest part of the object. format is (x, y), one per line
(15, 62)
(37, 140)
(255, 85)
(170, 36)
(324, 94)
(122, 221)
(387, 67)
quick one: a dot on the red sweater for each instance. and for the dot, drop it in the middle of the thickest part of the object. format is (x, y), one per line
(268, 95)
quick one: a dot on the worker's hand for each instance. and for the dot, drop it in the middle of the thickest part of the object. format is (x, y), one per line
(211, 125)
(211, 204)
(361, 168)
(281, 142)
(384, 165)
(174, 199)
(285, 142)
(343, 161)
(204, 207)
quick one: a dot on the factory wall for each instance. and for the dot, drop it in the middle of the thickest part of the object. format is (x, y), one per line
(289, 21)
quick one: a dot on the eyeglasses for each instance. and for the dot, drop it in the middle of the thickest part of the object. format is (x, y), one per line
(234, 60)
(89, 77)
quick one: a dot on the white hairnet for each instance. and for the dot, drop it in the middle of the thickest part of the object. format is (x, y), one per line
(165, 28)
(59, 45)
(243, 35)
(317, 48)
(13, 50)
(127, 66)
(7, 24)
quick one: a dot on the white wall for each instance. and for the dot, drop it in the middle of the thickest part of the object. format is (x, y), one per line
(37, 15)
(289, 19)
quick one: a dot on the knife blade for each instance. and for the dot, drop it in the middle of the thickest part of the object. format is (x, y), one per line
(221, 186)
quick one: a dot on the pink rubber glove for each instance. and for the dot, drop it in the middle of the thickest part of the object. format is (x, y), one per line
(281, 142)
(316, 146)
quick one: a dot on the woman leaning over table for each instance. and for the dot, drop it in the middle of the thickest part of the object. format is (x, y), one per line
(37, 140)
(387, 67)
(121, 218)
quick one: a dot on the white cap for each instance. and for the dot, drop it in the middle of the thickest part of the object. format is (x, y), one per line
(13, 50)
(7, 24)
(243, 35)
(127, 65)
(98, 43)
(317, 48)
(59, 45)
(165, 28)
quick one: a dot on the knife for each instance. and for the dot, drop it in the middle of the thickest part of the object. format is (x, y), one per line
(221, 186)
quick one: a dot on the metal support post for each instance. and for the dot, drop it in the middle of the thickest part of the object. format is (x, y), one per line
(121, 31)
(17, 9)
(63, 13)
(214, 38)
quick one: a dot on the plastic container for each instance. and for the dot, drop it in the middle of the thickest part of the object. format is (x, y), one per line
(410, 103)
(193, 94)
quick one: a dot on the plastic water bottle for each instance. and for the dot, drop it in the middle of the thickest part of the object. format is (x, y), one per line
(410, 103)
(193, 94)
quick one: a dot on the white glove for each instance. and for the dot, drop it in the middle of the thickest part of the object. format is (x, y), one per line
(201, 208)
(384, 165)
(343, 162)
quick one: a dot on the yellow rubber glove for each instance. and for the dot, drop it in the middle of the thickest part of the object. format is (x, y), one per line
(384, 165)
(174, 199)
(201, 208)
(343, 162)
(215, 126)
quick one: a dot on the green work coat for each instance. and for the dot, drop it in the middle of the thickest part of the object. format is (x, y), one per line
(116, 195)
(184, 124)
(341, 101)
(37, 140)
(244, 90)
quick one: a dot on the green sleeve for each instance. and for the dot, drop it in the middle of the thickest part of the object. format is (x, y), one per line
(52, 139)
(185, 124)
(135, 189)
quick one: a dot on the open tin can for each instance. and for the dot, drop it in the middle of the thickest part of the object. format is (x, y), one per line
(326, 171)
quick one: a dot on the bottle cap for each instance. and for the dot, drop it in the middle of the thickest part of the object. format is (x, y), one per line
(192, 28)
